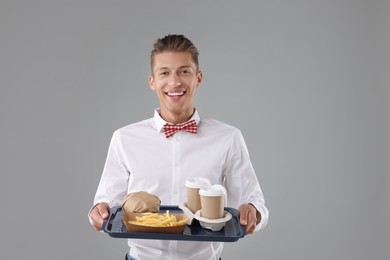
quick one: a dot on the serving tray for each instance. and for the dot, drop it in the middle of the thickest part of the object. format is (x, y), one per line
(232, 231)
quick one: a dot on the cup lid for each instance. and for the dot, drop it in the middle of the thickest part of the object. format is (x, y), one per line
(198, 183)
(215, 190)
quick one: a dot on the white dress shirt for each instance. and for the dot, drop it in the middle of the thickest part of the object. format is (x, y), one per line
(141, 158)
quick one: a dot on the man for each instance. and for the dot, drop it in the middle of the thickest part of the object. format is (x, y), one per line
(141, 157)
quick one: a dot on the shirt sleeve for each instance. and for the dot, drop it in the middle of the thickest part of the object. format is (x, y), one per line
(113, 184)
(240, 179)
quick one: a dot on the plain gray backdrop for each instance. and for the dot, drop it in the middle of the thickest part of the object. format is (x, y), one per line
(307, 82)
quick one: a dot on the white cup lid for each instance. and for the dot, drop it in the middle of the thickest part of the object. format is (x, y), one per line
(213, 191)
(198, 183)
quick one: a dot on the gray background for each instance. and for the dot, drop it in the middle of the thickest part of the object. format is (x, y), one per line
(305, 81)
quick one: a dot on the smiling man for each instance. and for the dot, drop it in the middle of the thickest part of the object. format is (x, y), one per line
(175, 78)
(159, 154)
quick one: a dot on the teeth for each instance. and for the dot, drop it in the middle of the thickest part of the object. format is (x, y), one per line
(175, 93)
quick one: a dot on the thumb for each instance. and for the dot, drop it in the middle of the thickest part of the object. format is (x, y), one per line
(103, 211)
(243, 217)
(243, 220)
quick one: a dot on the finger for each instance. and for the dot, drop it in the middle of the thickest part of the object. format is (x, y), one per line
(244, 215)
(248, 218)
(98, 214)
(103, 211)
(250, 228)
(96, 220)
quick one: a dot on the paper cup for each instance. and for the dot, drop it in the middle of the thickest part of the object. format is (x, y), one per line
(213, 202)
(193, 186)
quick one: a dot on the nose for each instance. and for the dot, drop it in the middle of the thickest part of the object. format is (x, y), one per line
(174, 83)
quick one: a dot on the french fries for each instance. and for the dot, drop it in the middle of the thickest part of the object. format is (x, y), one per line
(158, 220)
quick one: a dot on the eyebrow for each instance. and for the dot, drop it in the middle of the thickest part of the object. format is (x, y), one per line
(181, 67)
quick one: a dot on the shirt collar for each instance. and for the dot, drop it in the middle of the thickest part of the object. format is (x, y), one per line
(159, 122)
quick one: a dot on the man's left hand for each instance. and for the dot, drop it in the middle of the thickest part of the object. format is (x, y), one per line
(249, 217)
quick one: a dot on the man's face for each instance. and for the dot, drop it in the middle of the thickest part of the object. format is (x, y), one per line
(175, 79)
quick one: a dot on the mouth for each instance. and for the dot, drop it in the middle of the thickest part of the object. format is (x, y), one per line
(175, 94)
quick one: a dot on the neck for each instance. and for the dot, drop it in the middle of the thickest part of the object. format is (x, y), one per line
(177, 118)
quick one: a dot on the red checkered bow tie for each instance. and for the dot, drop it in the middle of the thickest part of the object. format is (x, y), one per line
(171, 129)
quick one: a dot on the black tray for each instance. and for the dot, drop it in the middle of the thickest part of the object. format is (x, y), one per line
(230, 233)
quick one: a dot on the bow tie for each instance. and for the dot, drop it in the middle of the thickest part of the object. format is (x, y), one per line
(171, 129)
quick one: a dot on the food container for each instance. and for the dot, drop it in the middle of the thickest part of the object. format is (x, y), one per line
(149, 229)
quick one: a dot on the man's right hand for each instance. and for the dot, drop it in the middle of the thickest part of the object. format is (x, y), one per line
(98, 214)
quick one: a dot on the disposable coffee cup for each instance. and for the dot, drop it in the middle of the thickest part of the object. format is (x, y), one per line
(213, 202)
(193, 186)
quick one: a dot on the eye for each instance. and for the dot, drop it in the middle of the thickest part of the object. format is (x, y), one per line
(163, 73)
(185, 72)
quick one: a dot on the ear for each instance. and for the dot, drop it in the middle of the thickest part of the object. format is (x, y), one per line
(199, 78)
(151, 83)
